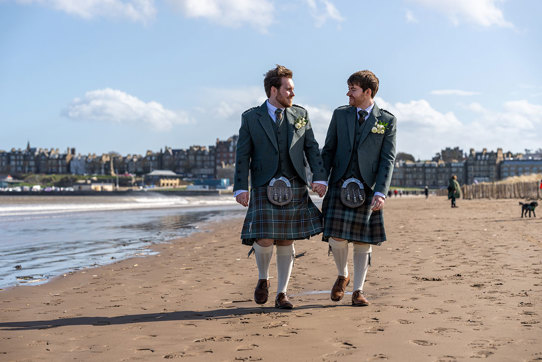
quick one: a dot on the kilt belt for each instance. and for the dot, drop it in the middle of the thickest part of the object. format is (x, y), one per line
(359, 224)
(300, 219)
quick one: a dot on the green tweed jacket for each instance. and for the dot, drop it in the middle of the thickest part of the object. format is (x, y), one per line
(376, 152)
(258, 150)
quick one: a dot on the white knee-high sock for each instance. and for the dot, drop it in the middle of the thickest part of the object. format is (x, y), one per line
(340, 254)
(362, 253)
(285, 261)
(263, 256)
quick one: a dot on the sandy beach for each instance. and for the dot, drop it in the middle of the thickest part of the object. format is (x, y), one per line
(448, 285)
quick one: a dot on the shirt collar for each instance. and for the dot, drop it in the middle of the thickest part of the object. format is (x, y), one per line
(368, 110)
(271, 110)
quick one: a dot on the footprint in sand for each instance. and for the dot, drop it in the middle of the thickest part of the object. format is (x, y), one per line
(482, 354)
(442, 331)
(336, 355)
(422, 342)
(378, 357)
(447, 359)
(344, 345)
(439, 311)
(374, 330)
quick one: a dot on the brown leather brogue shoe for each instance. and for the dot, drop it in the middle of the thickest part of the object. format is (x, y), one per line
(358, 299)
(337, 292)
(261, 293)
(282, 302)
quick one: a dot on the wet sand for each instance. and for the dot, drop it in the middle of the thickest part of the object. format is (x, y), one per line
(448, 285)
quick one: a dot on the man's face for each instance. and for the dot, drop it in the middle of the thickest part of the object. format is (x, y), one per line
(285, 94)
(357, 97)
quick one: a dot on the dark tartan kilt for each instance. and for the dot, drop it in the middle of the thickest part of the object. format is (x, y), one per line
(300, 219)
(359, 224)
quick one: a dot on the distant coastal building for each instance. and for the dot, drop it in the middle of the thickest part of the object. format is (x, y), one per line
(481, 166)
(217, 162)
(510, 168)
(162, 178)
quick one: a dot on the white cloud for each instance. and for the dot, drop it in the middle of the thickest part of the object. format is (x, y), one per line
(453, 92)
(423, 130)
(231, 13)
(480, 12)
(111, 105)
(420, 114)
(135, 10)
(517, 117)
(227, 104)
(320, 117)
(323, 11)
(410, 18)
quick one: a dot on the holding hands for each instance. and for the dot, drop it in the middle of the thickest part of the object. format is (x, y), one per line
(320, 189)
(242, 198)
(377, 203)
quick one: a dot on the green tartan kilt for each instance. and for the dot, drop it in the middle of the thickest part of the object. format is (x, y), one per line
(300, 219)
(359, 224)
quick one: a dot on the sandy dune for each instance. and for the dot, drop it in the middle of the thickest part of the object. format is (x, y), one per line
(448, 285)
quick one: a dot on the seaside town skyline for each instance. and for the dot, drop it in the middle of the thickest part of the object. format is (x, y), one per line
(122, 75)
(216, 162)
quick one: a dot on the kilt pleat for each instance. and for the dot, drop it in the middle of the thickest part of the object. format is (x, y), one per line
(300, 219)
(359, 224)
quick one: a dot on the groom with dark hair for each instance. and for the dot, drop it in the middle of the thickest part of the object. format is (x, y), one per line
(359, 152)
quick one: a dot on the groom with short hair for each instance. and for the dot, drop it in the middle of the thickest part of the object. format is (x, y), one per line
(359, 152)
(274, 141)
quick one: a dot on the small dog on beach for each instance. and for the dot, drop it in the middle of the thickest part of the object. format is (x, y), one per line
(528, 208)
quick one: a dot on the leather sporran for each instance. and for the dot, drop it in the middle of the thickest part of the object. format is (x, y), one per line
(352, 193)
(279, 191)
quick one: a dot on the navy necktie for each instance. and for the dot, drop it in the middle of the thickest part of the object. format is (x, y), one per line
(362, 114)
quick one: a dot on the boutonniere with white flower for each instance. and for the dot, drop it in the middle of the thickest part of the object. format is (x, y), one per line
(380, 127)
(300, 122)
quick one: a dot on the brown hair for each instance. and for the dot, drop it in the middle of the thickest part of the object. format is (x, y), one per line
(365, 79)
(273, 78)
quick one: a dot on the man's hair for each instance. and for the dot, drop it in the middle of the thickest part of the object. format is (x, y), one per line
(273, 78)
(364, 79)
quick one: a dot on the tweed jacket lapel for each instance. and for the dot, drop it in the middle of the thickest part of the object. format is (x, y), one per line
(265, 121)
(351, 120)
(369, 123)
(290, 118)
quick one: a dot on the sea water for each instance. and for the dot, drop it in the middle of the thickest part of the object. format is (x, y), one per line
(46, 236)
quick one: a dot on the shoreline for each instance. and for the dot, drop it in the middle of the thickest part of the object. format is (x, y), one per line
(118, 193)
(448, 285)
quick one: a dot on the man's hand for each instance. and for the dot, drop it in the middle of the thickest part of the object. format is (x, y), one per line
(320, 189)
(378, 203)
(242, 198)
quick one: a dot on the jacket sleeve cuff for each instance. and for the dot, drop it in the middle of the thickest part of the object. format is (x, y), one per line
(320, 182)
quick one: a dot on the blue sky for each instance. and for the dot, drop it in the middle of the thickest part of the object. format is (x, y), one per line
(134, 75)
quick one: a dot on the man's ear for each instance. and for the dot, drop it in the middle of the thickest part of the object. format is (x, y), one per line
(369, 92)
